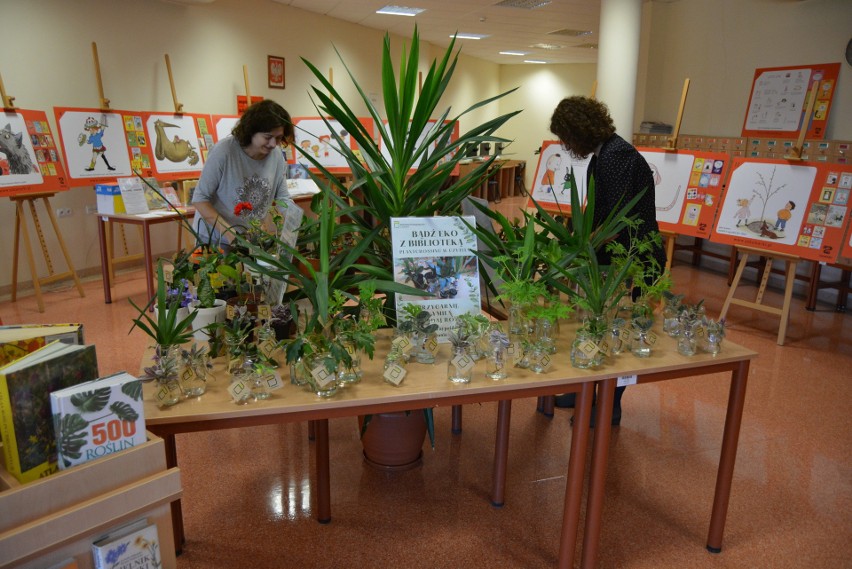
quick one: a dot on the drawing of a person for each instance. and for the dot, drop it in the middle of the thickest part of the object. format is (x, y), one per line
(324, 144)
(551, 166)
(744, 212)
(784, 215)
(94, 134)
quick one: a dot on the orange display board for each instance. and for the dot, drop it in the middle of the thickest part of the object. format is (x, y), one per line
(550, 185)
(100, 146)
(179, 143)
(779, 98)
(688, 188)
(794, 208)
(314, 137)
(29, 155)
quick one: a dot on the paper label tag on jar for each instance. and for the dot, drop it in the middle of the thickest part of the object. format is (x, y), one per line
(238, 390)
(589, 348)
(322, 376)
(514, 352)
(624, 334)
(268, 346)
(545, 362)
(431, 345)
(264, 311)
(626, 380)
(402, 343)
(162, 394)
(652, 338)
(350, 349)
(273, 381)
(463, 362)
(604, 347)
(229, 312)
(168, 274)
(395, 374)
(699, 332)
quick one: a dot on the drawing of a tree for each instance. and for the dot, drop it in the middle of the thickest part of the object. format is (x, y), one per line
(764, 191)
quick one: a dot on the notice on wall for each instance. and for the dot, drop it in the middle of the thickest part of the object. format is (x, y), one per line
(798, 209)
(436, 255)
(780, 96)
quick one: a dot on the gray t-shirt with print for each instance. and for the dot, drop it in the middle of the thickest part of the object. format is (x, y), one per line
(229, 177)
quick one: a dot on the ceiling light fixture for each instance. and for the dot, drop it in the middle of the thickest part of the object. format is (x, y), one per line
(470, 36)
(534, 61)
(548, 46)
(399, 11)
(524, 4)
(513, 53)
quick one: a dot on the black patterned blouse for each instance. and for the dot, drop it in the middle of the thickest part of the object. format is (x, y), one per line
(620, 173)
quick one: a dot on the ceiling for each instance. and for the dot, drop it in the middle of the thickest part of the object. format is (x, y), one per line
(508, 28)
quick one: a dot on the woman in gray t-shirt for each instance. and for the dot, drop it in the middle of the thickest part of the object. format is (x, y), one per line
(245, 167)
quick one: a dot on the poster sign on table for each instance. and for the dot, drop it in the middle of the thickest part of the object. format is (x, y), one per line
(688, 188)
(436, 255)
(100, 146)
(779, 99)
(180, 143)
(550, 184)
(29, 157)
(798, 209)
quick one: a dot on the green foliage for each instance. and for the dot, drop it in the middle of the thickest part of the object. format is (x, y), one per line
(124, 411)
(91, 401)
(644, 272)
(167, 329)
(132, 389)
(71, 435)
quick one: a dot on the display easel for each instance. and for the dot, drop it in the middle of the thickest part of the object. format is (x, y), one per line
(795, 153)
(21, 229)
(670, 237)
(757, 304)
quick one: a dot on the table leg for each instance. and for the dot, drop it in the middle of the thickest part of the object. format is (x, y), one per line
(177, 510)
(104, 261)
(323, 475)
(730, 440)
(597, 475)
(501, 452)
(574, 478)
(457, 419)
(149, 260)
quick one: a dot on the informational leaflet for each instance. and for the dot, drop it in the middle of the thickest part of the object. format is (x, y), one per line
(436, 255)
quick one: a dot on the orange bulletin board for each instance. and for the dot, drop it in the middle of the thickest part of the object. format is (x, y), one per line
(550, 184)
(29, 155)
(688, 188)
(846, 250)
(798, 209)
(100, 146)
(779, 97)
(314, 138)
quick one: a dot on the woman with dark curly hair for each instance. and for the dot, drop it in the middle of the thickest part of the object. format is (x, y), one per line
(585, 127)
(247, 167)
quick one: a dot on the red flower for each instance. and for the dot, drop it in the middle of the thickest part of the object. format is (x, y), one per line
(241, 206)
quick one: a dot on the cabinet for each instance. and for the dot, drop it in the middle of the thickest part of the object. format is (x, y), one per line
(44, 522)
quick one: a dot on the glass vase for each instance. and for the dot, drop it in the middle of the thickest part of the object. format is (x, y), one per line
(321, 374)
(352, 372)
(671, 322)
(298, 373)
(496, 362)
(544, 335)
(242, 394)
(260, 384)
(585, 351)
(193, 381)
(641, 342)
(616, 336)
(167, 363)
(539, 358)
(712, 341)
(687, 343)
(461, 365)
(423, 353)
(517, 320)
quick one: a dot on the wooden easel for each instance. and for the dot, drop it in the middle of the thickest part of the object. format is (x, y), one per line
(757, 304)
(795, 153)
(670, 237)
(21, 228)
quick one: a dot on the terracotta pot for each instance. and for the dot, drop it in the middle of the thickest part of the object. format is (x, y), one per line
(394, 441)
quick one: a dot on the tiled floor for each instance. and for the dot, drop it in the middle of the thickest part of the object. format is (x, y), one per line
(248, 493)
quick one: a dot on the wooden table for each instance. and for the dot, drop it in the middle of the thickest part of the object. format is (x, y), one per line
(425, 388)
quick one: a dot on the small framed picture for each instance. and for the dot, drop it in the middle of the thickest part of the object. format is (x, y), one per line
(275, 70)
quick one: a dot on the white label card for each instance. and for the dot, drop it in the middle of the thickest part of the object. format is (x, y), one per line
(402, 343)
(273, 381)
(652, 338)
(432, 345)
(168, 274)
(322, 376)
(264, 312)
(589, 348)
(604, 347)
(238, 390)
(624, 334)
(546, 360)
(463, 362)
(162, 394)
(626, 380)
(395, 374)
(229, 312)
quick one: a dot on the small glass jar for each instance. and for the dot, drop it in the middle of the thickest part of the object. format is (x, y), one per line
(539, 358)
(351, 373)
(422, 354)
(323, 381)
(641, 341)
(497, 362)
(461, 365)
(712, 340)
(687, 343)
(585, 352)
(244, 394)
(615, 336)
(260, 380)
(395, 367)
(544, 335)
(671, 320)
(517, 320)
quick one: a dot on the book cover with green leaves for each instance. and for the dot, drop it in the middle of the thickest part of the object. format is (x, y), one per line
(97, 418)
(26, 427)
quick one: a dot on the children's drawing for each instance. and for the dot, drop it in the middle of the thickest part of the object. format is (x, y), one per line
(18, 165)
(175, 139)
(94, 144)
(315, 138)
(551, 186)
(765, 201)
(672, 172)
(224, 126)
(548, 179)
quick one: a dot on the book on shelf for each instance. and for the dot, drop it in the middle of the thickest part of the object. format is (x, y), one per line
(18, 340)
(132, 546)
(26, 425)
(97, 418)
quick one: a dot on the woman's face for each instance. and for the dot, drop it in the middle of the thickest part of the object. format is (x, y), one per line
(262, 143)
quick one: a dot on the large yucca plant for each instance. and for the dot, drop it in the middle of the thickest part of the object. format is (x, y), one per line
(413, 175)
